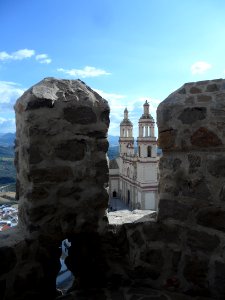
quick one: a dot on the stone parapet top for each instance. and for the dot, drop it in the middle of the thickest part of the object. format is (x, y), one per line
(136, 216)
(127, 293)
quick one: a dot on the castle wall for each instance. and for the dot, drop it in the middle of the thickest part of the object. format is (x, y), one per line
(182, 250)
(62, 176)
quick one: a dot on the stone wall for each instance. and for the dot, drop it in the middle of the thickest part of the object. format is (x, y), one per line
(183, 250)
(62, 178)
(192, 177)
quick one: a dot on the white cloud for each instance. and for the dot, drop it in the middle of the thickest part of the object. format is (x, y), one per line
(43, 58)
(9, 92)
(23, 54)
(18, 55)
(7, 125)
(200, 67)
(85, 72)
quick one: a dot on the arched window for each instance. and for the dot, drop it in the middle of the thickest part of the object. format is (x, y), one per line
(149, 151)
(128, 172)
(114, 194)
(139, 151)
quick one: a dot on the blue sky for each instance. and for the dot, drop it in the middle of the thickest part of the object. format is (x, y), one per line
(127, 50)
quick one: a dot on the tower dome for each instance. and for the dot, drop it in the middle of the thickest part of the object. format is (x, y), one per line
(126, 133)
(126, 121)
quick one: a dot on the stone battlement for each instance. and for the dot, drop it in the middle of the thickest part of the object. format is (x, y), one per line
(62, 177)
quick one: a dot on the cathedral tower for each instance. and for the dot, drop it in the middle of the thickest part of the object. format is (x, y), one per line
(126, 136)
(146, 140)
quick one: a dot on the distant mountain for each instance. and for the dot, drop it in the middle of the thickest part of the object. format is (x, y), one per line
(7, 139)
(7, 168)
(113, 152)
(113, 140)
(6, 152)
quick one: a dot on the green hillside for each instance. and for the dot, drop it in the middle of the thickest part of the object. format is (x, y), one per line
(6, 152)
(7, 169)
(113, 152)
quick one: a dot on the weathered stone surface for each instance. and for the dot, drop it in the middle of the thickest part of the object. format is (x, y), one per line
(167, 233)
(212, 217)
(40, 103)
(193, 114)
(191, 195)
(167, 138)
(38, 193)
(176, 257)
(102, 145)
(81, 115)
(196, 188)
(153, 257)
(2, 288)
(194, 162)
(200, 240)
(71, 150)
(195, 90)
(196, 270)
(7, 259)
(55, 174)
(62, 168)
(182, 91)
(143, 272)
(170, 209)
(34, 154)
(222, 194)
(63, 195)
(104, 117)
(212, 88)
(120, 217)
(36, 214)
(216, 165)
(219, 281)
(171, 163)
(102, 172)
(205, 138)
(164, 115)
(74, 191)
(203, 98)
(137, 238)
(87, 266)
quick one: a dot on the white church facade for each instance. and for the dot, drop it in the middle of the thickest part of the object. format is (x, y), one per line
(133, 177)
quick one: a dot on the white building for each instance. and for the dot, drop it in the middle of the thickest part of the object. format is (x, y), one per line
(133, 177)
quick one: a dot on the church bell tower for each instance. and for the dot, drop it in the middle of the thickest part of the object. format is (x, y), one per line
(146, 139)
(126, 136)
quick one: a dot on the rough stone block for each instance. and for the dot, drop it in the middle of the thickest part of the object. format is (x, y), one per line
(204, 137)
(196, 271)
(218, 286)
(167, 233)
(171, 209)
(200, 240)
(167, 139)
(216, 165)
(191, 115)
(212, 217)
(154, 257)
(7, 259)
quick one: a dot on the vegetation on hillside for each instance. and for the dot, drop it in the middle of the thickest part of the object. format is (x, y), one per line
(7, 170)
(113, 152)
